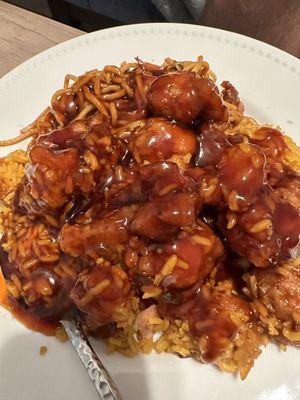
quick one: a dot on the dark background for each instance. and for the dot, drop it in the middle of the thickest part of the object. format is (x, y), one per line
(276, 22)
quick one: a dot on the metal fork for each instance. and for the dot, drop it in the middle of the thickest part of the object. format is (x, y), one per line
(103, 383)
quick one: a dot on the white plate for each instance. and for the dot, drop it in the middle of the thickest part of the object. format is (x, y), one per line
(269, 83)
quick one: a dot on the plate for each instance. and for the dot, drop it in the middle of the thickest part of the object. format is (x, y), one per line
(269, 83)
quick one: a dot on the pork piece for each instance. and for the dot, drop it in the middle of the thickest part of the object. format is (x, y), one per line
(269, 231)
(185, 97)
(101, 235)
(101, 295)
(183, 260)
(162, 216)
(242, 175)
(159, 140)
(55, 175)
(278, 289)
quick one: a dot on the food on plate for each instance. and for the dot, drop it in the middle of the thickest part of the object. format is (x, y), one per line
(150, 203)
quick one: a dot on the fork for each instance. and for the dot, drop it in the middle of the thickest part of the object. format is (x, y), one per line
(103, 383)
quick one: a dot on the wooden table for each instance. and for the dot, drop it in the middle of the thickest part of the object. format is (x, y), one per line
(24, 34)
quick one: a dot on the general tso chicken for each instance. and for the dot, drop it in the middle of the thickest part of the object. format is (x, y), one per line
(148, 203)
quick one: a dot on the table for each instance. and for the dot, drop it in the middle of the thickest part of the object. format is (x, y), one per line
(24, 34)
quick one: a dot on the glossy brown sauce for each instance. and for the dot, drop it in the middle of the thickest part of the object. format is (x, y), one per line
(28, 319)
(131, 212)
(48, 328)
(3, 290)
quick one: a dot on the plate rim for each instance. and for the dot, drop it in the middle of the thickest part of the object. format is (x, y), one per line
(278, 56)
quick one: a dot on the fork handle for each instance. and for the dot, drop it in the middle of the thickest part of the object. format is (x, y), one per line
(101, 379)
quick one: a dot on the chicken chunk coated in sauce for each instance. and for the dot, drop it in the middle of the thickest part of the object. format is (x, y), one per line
(149, 196)
(160, 139)
(269, 231)
(186, 98)
(276, 294)
(101, 295)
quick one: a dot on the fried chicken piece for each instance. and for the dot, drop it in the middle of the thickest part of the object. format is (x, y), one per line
(212, 145)
(199, 249)
(185, 97)
(272, 143)
(165, 176)
(128, 185)
(241, 174)
(42, 290)
(100, 236)
(54, 175)
(182, 261)
(92, 135)
(269, 231)
(208, 185)
(221, 323)
(217, 316)
(252, 235)
(160, 218)
(70, 160)
(276, 296)
(160, 139)
(288, 191)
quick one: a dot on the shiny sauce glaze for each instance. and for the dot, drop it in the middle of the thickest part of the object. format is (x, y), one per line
(34, 313)
(130, 212)
(26, 317)
(3, 291)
